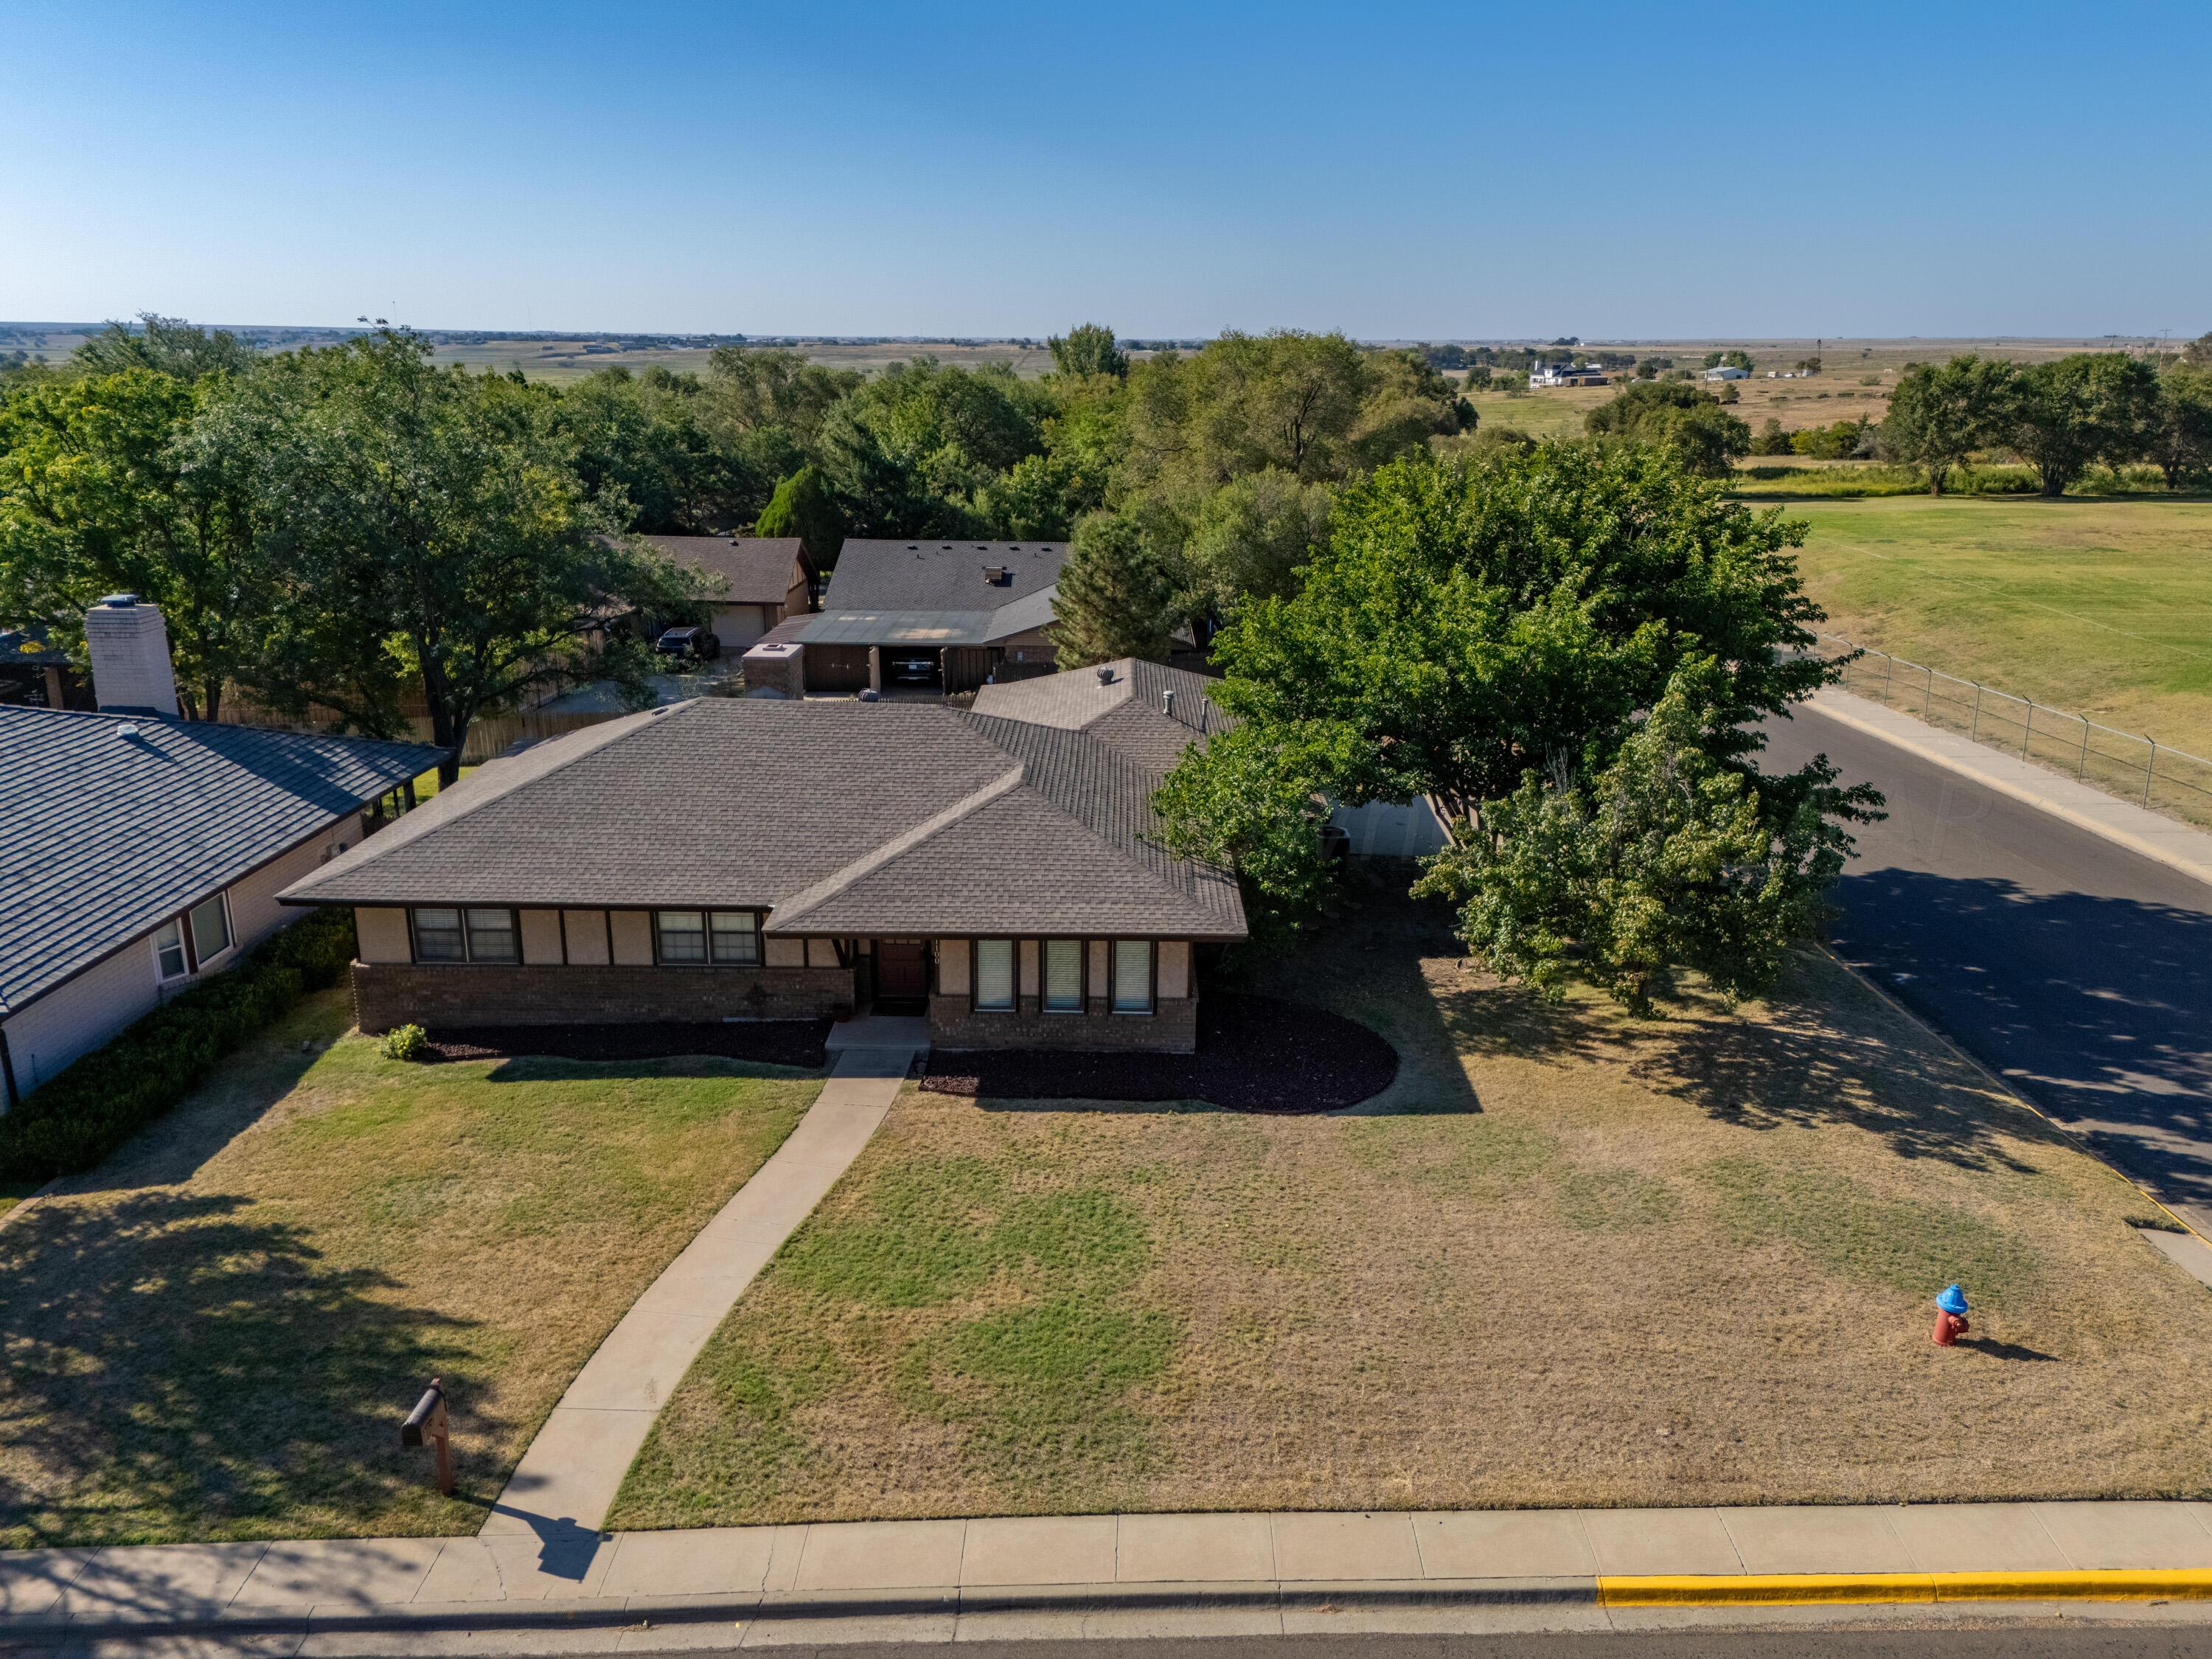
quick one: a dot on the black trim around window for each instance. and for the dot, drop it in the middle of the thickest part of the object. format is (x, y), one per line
(1114, 978)
(711, 956)
(469, 955)
(976, 1003)
(1082, 1003)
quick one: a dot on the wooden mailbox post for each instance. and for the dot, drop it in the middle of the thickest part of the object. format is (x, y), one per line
(428, 1421)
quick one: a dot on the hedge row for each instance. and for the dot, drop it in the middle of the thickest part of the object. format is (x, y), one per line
(110, 1094)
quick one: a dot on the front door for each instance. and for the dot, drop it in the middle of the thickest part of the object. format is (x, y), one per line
(902, 975)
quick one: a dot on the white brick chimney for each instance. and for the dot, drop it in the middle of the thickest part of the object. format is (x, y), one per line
(129, 649)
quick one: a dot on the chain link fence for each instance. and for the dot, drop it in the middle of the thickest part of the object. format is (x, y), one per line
(2127, 764)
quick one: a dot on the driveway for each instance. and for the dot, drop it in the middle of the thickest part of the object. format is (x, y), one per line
(2079, 971)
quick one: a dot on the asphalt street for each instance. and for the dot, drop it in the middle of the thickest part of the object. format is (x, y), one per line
(2079, 971)
(2073, 1639)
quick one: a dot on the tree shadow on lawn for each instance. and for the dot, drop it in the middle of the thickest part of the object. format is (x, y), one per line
(172, 1150)
(176, 1367)
(1824, 1051)
(1843, 1059)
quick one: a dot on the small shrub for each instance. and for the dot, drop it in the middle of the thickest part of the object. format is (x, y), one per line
(110, 1094)
(406, 1042)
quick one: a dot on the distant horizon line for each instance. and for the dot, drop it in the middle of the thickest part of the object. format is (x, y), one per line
(692, 338)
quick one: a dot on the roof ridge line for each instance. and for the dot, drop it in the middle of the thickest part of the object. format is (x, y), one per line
(412, 826)
(873, 859)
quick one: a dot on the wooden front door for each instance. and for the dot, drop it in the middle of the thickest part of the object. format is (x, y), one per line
(902, 971)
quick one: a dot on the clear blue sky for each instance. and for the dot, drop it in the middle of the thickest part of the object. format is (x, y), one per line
(1395, 171)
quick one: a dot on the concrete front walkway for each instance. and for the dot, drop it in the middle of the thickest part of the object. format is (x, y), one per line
(560, 1492)
(2141, 831)
(1092, 1574)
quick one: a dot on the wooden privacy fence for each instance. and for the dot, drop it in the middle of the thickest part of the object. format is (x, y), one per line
(2128, 764)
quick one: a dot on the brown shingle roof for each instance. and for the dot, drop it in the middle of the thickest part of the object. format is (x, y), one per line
(752, 569)
(1128, 712)
(838, 818)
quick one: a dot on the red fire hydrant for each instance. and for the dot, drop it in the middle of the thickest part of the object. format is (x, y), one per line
(1950, 1316)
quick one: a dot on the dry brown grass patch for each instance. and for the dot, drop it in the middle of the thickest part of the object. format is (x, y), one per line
(1566, 1259)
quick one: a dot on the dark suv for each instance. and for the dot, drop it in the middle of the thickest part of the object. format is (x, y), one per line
(696, 644)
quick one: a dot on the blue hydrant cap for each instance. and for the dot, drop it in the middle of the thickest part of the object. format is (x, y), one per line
(1953, 1301)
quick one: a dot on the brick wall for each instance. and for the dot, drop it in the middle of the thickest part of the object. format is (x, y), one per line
(1173, 1030)
(387, 993)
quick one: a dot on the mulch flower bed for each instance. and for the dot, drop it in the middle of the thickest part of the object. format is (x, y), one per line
(1254, 1055)
(769, 1041)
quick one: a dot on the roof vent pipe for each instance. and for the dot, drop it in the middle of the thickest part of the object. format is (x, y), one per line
(1167, 702)
(1105, 673)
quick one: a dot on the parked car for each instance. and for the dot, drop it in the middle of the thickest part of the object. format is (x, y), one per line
(910, 671)
(694, 644)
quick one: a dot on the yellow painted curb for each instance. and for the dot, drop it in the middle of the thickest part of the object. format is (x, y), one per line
(1783, 1589)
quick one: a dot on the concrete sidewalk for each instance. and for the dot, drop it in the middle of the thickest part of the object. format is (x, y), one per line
(559, 1493)
(1119, 1575)
(2167, 840)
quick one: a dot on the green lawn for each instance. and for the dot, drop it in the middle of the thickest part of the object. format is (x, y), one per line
(1565, 1259)
(216, 1333)
(2102, 608)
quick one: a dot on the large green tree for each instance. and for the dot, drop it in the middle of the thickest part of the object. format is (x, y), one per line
(1677, 417)
(803, 506)
(1938, 416)
(1665, 858)
(2182, 444)
(1247, 539)
(1118, 594)
(908, 451)
(1316, 406)
(1089, 348)
(646, 453)
(1474, 620)
(113, 482)
(2074, 410)
(167, 345)
(434, 538)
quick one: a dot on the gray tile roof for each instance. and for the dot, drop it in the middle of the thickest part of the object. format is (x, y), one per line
(837, 817)
(103, 837)
(750, 570)
(1128, 713)
(939, 575)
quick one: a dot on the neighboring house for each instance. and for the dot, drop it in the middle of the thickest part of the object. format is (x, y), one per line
(1138, 708)
(140, 853)
(754, 582)
(36, 674)
(729, 859)
(1566, 374)
(1729, 372)
(940, 614)
(1153, 714)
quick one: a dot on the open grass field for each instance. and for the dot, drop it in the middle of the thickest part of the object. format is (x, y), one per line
(1559, 411)
(216, 1333)
(2099, 607)
(1564, 1260)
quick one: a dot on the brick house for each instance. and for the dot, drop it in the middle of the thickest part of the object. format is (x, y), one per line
(937, 615)
(730, 859)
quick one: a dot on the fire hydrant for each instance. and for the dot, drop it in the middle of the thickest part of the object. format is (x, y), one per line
(1950, 1316)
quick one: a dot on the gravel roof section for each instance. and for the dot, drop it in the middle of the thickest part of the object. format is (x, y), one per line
(838, 818)
(753, 569)
(103, 837)
(1127, 713)
(939, 575)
